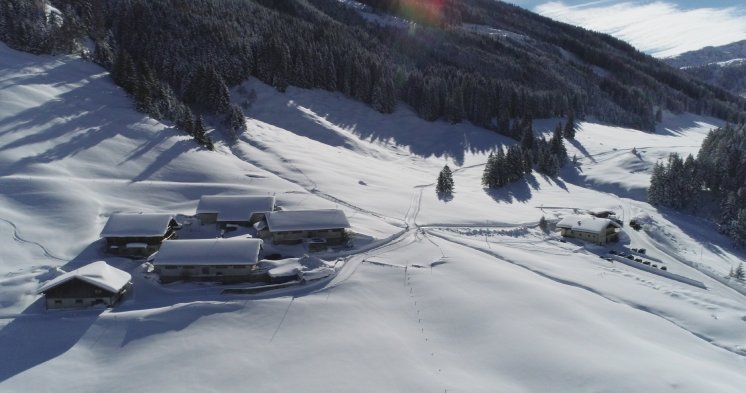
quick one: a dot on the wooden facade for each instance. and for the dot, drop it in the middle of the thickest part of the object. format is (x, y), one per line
(609, 234)
(209, 273)
(331, 236)
(77, 293)
(139, 246)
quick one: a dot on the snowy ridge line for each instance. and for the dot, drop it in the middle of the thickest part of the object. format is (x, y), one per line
(17, 237)
(663, 273)
(558, 280)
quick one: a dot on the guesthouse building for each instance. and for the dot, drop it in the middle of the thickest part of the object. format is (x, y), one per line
(589, 228)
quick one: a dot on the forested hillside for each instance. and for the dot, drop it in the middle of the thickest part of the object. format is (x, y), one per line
(719, 169)
(178, 58)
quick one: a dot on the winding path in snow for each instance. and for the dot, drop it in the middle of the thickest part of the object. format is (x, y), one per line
(17, 237)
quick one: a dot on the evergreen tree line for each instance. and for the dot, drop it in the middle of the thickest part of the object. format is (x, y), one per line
(547, 157)
(719, 169)
(178, 59)
(25, 25)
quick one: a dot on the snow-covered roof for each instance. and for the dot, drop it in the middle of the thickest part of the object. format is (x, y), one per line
(233, 251)
(235, 207)
(584, 223)
(137, 225)
(601, 210)
(97, 273)
(306, 220)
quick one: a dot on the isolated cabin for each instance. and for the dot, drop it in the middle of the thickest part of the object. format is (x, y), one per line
(215, 260)
(293, 226)
(96, 283)
(589, 228)
(137, 234)
(242, 210)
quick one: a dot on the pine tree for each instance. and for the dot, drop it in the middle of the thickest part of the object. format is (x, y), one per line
(655, 191)
(557, 146)
(445, 181)
(543, 224)
(488, 179)
(570, 127)
(739, 274)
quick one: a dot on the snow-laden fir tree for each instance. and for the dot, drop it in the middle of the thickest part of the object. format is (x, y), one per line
(445, 181)
(570, 127)
(739, 274)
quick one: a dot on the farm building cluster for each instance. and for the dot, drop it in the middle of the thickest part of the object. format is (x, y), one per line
(254, 221)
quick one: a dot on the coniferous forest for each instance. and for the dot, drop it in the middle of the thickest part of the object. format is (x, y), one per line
(719, 170)
(178, 58)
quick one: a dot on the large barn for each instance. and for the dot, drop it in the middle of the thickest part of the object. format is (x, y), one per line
(214, 260)
(229, 209)
(96, 283)
(137, 234)
(293, 226)
(589, 228)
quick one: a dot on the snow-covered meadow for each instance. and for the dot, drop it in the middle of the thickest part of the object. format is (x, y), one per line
(466, 294)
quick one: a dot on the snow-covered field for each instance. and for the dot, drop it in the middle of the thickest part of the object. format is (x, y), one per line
(460, 295)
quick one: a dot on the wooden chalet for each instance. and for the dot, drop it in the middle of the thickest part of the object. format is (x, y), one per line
(93, 284)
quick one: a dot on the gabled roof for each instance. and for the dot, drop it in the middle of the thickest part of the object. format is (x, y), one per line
(235, 207)
(306, 220)
(584, 223)
(98, 273)
(137, 225)
(233, 251)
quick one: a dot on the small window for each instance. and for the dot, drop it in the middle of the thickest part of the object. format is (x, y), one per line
(221, 267)
(189, 267)
(58, 301)
(239, 266)
(78, 301)
(97, 291)
(170, 267)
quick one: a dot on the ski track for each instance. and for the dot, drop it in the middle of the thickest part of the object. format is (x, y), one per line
(17, 237)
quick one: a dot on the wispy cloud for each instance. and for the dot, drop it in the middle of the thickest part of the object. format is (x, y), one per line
(659, 28)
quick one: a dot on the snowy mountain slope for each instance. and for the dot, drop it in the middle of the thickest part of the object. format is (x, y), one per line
(495, 305)
(722, 66)
(709, 55)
